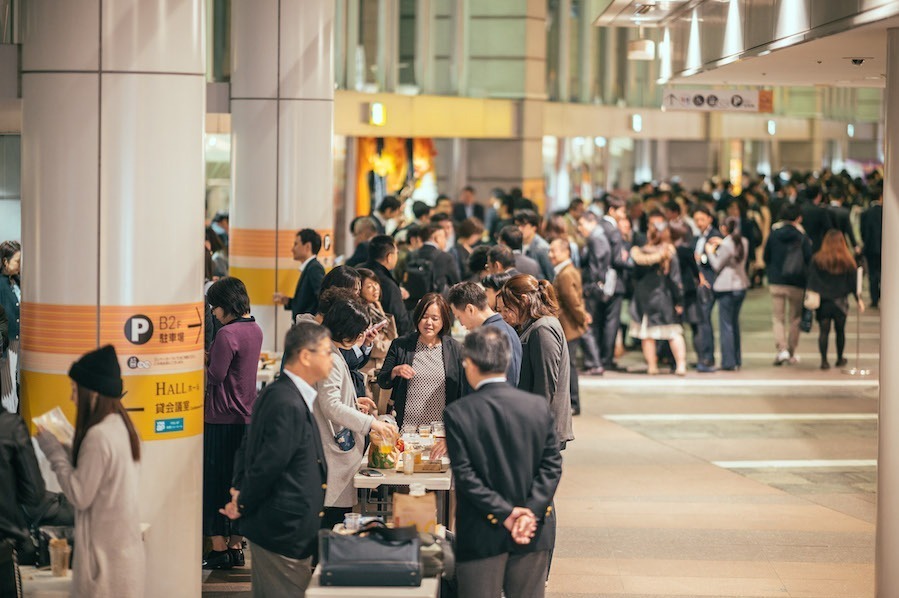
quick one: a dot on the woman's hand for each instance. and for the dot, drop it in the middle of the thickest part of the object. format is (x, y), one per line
(438, 449)
(402, 371)
(384, 430)
(861, 305)
(46, 440)
(366, 405)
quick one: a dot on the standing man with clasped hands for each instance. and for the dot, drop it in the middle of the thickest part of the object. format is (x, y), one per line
(506, 466)
(280, 470)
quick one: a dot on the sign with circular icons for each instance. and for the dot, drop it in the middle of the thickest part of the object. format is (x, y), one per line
(138, 329)
(698, 100)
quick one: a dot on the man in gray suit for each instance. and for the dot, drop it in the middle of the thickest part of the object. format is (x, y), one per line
(595, 262)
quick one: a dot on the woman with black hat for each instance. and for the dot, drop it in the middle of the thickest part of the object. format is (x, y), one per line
(100, 479)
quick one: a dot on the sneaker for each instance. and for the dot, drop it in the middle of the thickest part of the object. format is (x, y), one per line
(794, 359)
(782, 357)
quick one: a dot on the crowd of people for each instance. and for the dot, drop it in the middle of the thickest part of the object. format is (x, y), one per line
(543, 299)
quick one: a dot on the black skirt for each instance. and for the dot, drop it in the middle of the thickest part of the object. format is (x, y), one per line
(220, 443)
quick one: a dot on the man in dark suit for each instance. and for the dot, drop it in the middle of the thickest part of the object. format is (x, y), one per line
(816, 219)
(280, 470)
(467, 206)
(705, 337)
(382, 258)
(595, 262)
(872, 238)
(511, 237)
(305, 299)
(615, 209)
(468, 300)
(506, 466)
(501, 260)
(840, 217)
(363, 229)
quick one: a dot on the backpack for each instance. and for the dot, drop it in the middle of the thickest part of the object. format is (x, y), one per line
(419, 277)
(794, 263)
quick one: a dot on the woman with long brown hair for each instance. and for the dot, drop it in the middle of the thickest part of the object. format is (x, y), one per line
(530, 307)
(832, 275)
(100, 479)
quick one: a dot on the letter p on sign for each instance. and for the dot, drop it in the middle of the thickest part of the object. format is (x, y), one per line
(138, 329)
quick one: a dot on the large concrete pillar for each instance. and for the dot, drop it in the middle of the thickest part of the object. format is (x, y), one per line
(113, 183)
(887, 544)
(282, 111)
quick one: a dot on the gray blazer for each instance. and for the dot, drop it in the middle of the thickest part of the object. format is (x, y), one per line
(545, 370)
(335, 409)
(731, 272)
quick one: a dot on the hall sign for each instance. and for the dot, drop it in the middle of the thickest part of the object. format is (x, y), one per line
(716, 100)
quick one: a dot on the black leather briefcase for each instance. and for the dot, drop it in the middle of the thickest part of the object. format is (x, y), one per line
(373, 556)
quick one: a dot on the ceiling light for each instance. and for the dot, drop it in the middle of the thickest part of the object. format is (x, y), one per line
(643, 9)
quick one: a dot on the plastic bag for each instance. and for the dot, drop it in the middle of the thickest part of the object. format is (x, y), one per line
(55, 422)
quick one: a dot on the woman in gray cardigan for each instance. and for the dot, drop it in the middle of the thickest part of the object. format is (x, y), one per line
(337, 410)
(727, 257)
(529, 305)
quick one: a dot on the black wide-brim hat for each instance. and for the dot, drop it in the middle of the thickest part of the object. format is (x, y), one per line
(100, 372)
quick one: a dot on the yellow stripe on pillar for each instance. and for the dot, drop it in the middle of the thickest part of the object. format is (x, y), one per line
(162, 407)
(261, 282)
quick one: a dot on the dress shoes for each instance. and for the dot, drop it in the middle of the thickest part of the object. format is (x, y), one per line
(237, 557)
(219, 559)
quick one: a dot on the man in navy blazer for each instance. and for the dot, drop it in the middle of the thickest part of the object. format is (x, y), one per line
(506, 467)
(305, 299)
(280, 471)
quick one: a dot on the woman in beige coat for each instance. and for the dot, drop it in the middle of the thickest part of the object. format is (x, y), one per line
(101, 481)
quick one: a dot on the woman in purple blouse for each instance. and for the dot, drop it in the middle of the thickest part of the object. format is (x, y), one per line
(230, 394)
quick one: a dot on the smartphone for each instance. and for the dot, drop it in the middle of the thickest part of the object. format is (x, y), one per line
(380, 325)
(372, 473)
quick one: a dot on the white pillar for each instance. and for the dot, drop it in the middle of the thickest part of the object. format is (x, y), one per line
(113, 185)
(282, 113)
(388, 45)
(586, 50)
(887, 544)
(425, 41)
(461, 10)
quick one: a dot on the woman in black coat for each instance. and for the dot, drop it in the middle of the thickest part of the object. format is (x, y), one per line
(424, 367)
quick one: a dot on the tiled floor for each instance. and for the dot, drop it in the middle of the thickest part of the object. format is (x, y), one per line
(645, 512)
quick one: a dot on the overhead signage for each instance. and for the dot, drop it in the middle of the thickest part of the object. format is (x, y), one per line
(717, 100)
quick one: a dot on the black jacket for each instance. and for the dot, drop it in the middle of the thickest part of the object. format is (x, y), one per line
(527, 265)
(391, 298)
(831, 286)
(280, 471)
(360, 255)
(816, 220)
(20, 476)
(305, 298)
(4, 331)
(445, 269)
(784, 239)
(616, 243)
(402, 351)
(460, 213)
(840, 217)
(10, 304)
(504, 454)
(872, 230)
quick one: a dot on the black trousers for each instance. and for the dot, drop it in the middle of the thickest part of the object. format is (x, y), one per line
(220, 443)
(873, 262)
(606, 322)
(572, 379)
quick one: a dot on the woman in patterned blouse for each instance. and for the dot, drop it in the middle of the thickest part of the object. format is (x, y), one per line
(424, 367)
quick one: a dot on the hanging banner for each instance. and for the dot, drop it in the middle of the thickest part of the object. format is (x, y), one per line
(717, 100)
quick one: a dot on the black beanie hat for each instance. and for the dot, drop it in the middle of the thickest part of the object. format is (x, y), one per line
(99, 371)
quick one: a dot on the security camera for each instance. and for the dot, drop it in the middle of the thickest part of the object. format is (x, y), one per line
(857, 61)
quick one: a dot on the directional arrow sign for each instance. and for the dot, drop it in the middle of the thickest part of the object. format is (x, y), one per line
(717, 100)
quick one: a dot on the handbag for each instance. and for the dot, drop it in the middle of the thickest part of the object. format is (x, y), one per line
(812, 299)
(345, 439)
(374, 556)
(805, 324)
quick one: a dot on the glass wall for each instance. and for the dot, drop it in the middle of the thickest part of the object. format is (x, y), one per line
(10, 188)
